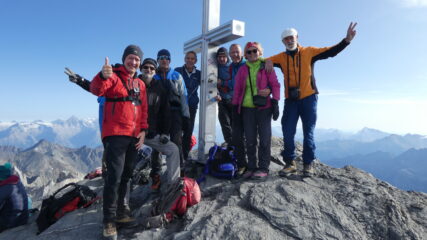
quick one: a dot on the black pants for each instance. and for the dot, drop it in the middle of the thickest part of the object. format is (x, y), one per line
(257, 122)
(188, 132)
(238, 138)
(225, 110)
(121, 154)
(175, 136)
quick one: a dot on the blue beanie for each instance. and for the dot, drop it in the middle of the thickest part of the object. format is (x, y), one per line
(5, 171)
(163, 52)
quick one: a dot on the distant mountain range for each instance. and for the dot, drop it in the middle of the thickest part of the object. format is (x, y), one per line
(398, 159)
(72, 132)
(407, 170)
(46, 166)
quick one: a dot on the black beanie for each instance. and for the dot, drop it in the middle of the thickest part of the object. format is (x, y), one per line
(163, 52)
(132, 49)
(149, 61)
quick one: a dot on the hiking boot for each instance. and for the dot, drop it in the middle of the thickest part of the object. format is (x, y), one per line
(290, 168)
(124, 219)
(258, 175)
(109, 231)
(155, 186)
(240, 172)
(247, 174)
(308, 170)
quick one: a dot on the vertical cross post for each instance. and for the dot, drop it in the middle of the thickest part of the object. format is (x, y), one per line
(212, 36)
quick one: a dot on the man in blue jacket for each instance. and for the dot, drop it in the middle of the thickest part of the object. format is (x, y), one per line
(192, 78)
(225, 89)
(13, 199)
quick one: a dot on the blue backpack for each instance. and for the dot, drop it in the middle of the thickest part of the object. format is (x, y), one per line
(221, 163)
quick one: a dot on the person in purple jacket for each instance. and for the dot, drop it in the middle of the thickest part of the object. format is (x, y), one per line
(252, 89)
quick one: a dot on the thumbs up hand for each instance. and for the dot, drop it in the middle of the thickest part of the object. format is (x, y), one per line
(107, 70)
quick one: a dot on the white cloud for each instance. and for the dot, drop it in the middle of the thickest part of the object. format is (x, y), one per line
(414, 3)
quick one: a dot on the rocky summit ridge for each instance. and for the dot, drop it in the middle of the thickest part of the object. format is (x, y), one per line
(337, 203)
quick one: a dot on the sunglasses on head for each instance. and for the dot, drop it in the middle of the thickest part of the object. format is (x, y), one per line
(149, 67)
(249, 52)
(164, 57)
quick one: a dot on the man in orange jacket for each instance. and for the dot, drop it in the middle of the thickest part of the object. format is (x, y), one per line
(297, 64)
(123, 132)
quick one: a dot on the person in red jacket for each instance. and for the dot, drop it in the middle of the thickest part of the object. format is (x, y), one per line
(123, 132)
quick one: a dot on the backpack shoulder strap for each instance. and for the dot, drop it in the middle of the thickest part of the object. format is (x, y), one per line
(64, 187)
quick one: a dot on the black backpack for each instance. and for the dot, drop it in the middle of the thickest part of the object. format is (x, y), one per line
(66, 199)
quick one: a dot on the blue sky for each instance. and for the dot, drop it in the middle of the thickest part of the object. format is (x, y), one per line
(379, 81)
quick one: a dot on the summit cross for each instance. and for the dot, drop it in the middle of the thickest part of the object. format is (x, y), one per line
(213, 35)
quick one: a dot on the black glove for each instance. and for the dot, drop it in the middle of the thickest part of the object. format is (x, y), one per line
(164, 138)
(76, 79)
(275, 109)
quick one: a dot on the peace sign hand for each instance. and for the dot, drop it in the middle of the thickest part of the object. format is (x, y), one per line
(350, 32)
(107, 70)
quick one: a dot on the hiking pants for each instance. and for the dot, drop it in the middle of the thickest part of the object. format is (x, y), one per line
(121, 154)
(172, 156)
(176, 131)
(238, 139)
(305, 108)
(224, 115)
(257, 122)
(188, 132)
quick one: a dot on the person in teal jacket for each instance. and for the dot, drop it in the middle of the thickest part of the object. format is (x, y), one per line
(13, 199)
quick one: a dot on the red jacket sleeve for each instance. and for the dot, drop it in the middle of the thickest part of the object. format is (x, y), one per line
(99, 85)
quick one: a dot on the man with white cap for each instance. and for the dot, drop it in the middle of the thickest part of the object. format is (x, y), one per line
(297, 65)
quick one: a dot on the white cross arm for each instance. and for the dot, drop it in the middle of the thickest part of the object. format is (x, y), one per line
(227, 32)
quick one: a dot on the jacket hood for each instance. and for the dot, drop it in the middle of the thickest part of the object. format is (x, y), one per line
(13, 179)
(222, 50)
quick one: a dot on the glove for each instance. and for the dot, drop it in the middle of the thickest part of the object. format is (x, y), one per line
(164, 138)
(76, 78)
(275, 109)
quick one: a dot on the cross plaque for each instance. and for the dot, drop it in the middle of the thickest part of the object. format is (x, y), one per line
(207, 43)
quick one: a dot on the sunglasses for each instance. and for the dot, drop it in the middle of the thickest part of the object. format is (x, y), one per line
(164, 57)
(148, 67)
(249, 52)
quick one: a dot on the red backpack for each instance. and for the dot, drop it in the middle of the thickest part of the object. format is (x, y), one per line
(174, 202)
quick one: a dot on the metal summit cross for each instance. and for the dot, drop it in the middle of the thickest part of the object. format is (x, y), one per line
(212, 36)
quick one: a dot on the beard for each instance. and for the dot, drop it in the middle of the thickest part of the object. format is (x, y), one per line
(291, 46)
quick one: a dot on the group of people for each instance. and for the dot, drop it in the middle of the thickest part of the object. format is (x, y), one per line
(158, 108)
(248, 99)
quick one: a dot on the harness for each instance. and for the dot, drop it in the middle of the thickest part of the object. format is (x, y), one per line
(133, 94)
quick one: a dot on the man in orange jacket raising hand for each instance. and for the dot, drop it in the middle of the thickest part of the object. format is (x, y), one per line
(297, 64)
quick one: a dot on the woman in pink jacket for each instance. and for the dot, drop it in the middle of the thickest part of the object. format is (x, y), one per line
(252, 99)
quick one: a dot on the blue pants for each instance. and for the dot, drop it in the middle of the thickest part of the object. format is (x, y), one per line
(305, 108)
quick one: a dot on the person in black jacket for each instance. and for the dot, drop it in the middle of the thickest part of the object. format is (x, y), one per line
(159, 122)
